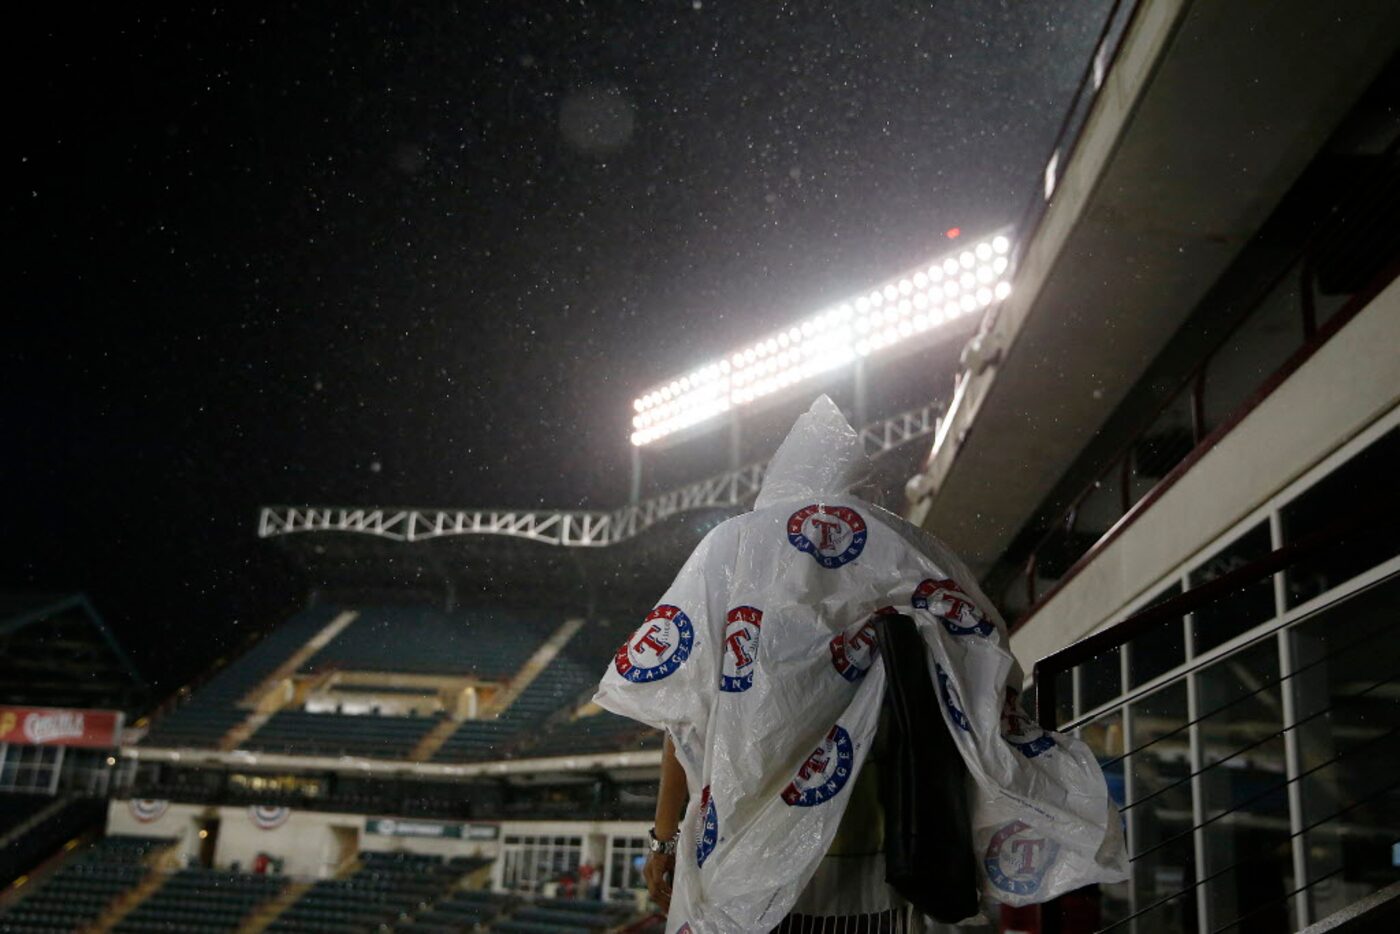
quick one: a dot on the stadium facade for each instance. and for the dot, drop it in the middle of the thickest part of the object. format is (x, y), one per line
(1168, 449)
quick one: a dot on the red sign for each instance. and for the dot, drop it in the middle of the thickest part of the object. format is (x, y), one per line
(59, 726)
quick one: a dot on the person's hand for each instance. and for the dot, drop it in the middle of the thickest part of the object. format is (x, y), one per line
(659, 871)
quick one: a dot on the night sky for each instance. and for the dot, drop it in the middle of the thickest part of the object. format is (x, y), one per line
(352, 254)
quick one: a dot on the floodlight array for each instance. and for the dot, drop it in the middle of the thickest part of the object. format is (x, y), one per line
(958, 284)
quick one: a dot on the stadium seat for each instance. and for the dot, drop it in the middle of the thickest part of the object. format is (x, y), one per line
(83, 887)
(327, 734)
(201, 899)
(204, 718)
(392, 888)
(486, 644)
(569, 678)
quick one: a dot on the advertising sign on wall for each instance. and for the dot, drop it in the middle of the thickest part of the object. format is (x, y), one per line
(59, 726)
(399, 827)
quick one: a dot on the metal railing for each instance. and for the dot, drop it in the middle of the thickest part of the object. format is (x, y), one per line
(1249, 778)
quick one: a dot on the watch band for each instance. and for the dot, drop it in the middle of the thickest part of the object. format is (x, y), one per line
(666, 847)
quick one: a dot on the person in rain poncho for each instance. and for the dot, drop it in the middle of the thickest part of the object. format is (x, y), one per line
(759, 666)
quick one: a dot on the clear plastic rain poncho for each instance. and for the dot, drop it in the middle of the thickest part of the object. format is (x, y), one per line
(759, 663)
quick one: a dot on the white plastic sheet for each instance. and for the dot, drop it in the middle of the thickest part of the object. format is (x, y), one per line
(760, 664)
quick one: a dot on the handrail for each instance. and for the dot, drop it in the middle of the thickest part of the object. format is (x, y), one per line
(1312, 825)
(1371, 519)
(1371, 516)
(56, 805)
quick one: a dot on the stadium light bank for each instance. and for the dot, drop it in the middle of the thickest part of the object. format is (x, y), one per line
(894, 314)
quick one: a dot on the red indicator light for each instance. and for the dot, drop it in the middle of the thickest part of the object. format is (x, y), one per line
(954, 233)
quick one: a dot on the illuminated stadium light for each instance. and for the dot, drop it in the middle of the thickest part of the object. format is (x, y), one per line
(904, 308)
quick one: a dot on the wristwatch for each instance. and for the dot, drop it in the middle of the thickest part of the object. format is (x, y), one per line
(667, 847)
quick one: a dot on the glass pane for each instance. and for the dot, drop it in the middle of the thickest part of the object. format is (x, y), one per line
(9, 768)
(1159, 812)
(1065, 545)
(1161, 648)
(1162, 446)
(1014, 599)
(1244, 789)
(1347, 697)
(1100, 681)
(1361, 481)
(1064, 697)
(1242, 610)
(1105, 737)
(1258, 347)
(1102, 505)
(618, 874)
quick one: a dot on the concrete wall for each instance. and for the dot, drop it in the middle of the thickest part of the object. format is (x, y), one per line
(1349, 383)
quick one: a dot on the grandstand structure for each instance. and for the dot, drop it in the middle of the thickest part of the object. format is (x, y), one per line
(1172, 452)
(1167, 448)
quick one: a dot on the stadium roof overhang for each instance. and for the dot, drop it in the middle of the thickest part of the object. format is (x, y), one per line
(1207, 116)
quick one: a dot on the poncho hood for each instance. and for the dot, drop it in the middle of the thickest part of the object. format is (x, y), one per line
(822, 456)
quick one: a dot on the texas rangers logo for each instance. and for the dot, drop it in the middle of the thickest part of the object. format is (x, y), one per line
(832, 535)
(740, 648)
(951, 700)
(824, 773)
(1020, 730)
(708, 834)
(658, 648)
(1018, 858)
(953, 607)
(852, 655)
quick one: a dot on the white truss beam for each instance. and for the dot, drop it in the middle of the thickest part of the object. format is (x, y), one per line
(572, 528)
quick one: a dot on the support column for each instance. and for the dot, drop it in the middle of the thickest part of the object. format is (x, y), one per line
(858, 378)
(1291, 756)
(1125, 660)
(1198, 834)
(634, 495)
(607, 865)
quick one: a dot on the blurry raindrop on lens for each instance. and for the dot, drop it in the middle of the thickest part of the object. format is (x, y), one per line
(597, 120)
(409, 159)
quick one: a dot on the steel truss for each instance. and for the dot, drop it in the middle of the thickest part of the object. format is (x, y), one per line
(573, 528)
